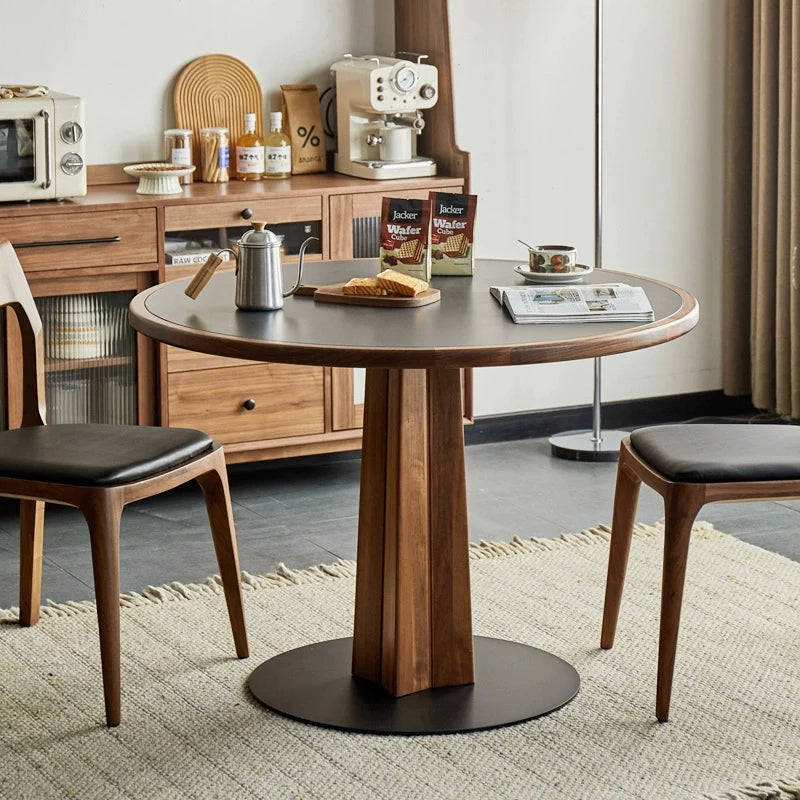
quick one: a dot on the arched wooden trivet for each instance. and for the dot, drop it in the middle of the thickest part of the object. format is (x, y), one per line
(216, 91)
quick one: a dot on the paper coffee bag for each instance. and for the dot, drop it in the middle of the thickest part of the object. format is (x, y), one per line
(303, 122)
(452, 237)
(404, 236)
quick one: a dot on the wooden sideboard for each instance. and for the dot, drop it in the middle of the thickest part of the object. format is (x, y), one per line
(86, 258)
(97, 251)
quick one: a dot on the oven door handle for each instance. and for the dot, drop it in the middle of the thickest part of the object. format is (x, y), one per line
(48, 146)
(59, 242)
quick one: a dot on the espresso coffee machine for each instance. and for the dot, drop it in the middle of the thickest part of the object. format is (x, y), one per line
(379, 104)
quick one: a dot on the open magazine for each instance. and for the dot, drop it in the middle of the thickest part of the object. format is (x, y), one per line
(606, 302)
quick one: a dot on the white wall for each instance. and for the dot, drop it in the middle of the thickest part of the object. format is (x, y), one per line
(524, 106)
(124, 58)
(524, 102)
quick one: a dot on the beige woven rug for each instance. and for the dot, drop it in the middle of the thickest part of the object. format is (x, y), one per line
(190, 729)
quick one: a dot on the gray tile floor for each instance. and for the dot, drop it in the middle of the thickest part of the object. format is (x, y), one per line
(303, 512)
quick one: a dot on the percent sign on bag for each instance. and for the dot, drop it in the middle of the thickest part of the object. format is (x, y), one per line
(300, 104)
(308, 135)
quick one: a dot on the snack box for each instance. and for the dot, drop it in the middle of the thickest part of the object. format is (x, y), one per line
(452, 233)
(405, 227)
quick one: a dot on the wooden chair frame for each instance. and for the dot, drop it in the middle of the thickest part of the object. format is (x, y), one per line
(102, 506)
(682, 502)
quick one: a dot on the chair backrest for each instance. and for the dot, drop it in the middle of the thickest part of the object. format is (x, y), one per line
(16, 295)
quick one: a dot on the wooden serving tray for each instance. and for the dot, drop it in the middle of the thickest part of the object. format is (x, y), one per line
(334, 294)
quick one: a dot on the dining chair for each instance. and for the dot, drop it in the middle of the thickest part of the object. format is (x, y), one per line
(100, 469)
(690, 466)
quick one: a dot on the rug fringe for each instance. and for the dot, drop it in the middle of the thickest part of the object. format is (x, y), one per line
(766, 790)
(285, 576)
(155, 595)
(600, 534)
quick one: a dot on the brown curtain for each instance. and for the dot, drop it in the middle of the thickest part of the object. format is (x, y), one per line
(761, 272)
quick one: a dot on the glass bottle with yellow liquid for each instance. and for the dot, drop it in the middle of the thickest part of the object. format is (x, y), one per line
(278, 150)
(249, 152)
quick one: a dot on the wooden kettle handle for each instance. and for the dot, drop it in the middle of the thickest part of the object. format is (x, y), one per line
(203, 276)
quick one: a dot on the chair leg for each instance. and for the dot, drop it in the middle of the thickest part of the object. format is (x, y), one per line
(220, 516)
(626, 496)
(681, 506)
(31, 540)
(103, 518)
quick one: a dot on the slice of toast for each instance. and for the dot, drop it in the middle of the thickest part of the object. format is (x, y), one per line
(364, 286)
(399, 283)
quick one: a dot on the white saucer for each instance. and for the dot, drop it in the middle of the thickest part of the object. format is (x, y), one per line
(158, 177)
(554, 278)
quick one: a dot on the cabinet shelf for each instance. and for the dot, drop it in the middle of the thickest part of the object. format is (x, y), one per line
(65, 364)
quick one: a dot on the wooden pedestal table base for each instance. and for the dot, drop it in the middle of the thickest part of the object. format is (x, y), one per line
(412, 665)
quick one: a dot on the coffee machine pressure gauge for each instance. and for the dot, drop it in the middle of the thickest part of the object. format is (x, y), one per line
(404, 78)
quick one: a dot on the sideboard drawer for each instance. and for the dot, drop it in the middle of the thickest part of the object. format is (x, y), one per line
(72, 241)
(225, 215)
(180, 360)
(287, 400)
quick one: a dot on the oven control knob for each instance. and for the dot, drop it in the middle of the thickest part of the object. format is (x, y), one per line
(427, 91)
(71, 164)
(71, 132)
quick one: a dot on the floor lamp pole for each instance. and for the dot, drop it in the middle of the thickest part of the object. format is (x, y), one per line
(596, 444)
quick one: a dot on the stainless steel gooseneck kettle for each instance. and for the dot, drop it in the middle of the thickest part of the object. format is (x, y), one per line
(259, 280)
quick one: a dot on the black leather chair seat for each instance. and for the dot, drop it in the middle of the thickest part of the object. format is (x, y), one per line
(96, 455)
(721, 453)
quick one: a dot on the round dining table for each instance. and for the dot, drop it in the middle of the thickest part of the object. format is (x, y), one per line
(412, 665)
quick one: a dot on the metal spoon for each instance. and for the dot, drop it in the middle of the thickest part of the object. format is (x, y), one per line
(525, 243)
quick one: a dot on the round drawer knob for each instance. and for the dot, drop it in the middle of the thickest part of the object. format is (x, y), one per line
(247, 213)
(249, 404)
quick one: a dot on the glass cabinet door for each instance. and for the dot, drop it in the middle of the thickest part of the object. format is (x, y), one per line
(192, 247)
(366, 237)
(90, 358)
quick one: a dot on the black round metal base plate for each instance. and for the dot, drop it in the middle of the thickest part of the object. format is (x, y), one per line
(513, 683)
(579, 445)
